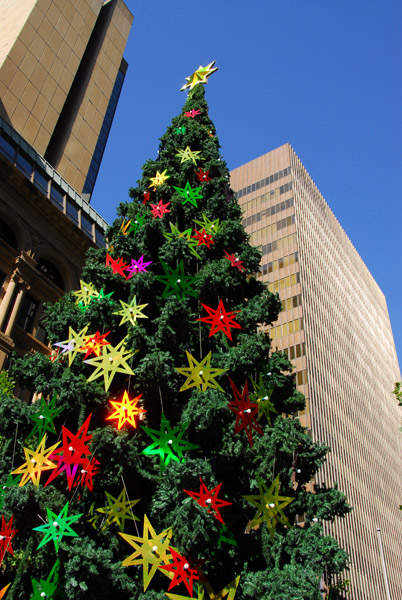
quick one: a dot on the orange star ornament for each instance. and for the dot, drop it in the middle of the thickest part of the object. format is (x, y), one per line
(126, 410)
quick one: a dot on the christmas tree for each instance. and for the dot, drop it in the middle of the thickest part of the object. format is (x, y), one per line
(162, 456)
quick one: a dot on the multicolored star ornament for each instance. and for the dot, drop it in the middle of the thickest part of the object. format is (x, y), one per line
(47, 588)
(72, 345)
(151, 550)
(234, 261)
(168, 443)
(137, 266)
(209, 499)
(187, 154)
(176, 283)
(57, 527)
(117, 265)
(126, 410)
(160, 209)
(191, 114)
(262, 397)
(200, 374)
(199, 76)
(94, 343)
(84, 294)
(73, 453)
(6, 535)
(245, 412)
(220, 320)
(269, 505)
(37, 461)
(159, 179)
(184, 571)
(189, 194)
(203, 176)
(175, 233)
(211, 227)
(44, 416)
(112, 360)
(131, 312)
(203, 238)
(118, 510)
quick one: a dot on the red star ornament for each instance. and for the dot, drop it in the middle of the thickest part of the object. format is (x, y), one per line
(94, 344)
(117, 265)
(220, 320)
(86, 474)
(209, 499)
(158, 210)
(126, 410)
(147, 196)
(203, 238)
(184, 571)
(203, 176)
(245, 411)
(6, 535)
(234, 261)
(73, 453)
(191, 114)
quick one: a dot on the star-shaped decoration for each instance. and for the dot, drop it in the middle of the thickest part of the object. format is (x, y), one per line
(146, 198)
(86, 473)
(117, 265)
(37, 461)
(199, 76)
(245, 412)
(3, 590)
(160, 209)
(125, 227)
(57, 527)
(72, 454)
(126, 410)
(269, 505)
(209, 499)
(184, 570)
(181, 130)
(211, 227)
(175, 233)
(94, 517)
(187, 154)
(200, 374)
(176, 283)
(131, 312)
(189, 194)
(102, 296)
(191, 114)
(138, 266)
(220, 320)
(234, 261)
(203, 238)
(112, 360)
(75, 341)
(262, 397)
(168, 443)
(226, 536)
(138, 222)
(94, 343)
(84, 294)
(44, 416)
(203, 176)
(47, 588)
(159, 179)
(6, 535)
(151, 550)
(118, 510)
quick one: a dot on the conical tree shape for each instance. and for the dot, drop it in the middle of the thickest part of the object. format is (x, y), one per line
(219, 462)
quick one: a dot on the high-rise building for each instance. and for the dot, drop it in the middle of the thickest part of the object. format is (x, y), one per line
(335, 329)
(61, 72)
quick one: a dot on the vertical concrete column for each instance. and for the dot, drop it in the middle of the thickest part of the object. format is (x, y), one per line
(5, 303)
(15, 311)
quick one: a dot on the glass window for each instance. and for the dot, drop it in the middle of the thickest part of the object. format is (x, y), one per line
(51, 272)
(41, 182)
(86, 225)
(24, 165)
(71, 211)
(26, 316)
(291, 352)
(57, 197)
(7, 235)
(99, 237)
(7, 149)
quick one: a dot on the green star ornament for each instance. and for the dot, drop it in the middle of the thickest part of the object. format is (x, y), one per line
(181, 129)
(136, 224)
(151, 550)
(58, 526)
(262, 397)
(211, 227)
(187, 154)
(176, 283)
(129, 313)
(102, 296)
(191, 242)
(200, 374)
(168, 443)
(44, 416)
(118, 510)
(112, 360)
(269, 505)
(46, 588)
(189, 194)
(199, 76)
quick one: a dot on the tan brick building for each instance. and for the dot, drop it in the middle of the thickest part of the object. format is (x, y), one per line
(336, 330)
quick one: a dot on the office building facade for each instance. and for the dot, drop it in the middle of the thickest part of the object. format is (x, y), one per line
(335, 329)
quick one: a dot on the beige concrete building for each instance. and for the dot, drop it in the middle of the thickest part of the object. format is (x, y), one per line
(335, 328)
(61, 72)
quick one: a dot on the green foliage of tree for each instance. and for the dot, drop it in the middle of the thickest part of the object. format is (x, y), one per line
(291, 564)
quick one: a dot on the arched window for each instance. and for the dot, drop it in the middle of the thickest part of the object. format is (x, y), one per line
(7, 234)
(51, 272)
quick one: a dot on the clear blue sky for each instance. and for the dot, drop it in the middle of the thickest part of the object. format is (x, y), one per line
(324, 76)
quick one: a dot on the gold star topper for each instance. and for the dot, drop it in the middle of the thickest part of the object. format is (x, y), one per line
(199, 76)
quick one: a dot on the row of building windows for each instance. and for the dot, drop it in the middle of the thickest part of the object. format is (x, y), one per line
(288, 240)
(301, 377)
(269, 212)
(263, 182)
(285, 282)
(254, 204)
(292, 302)
(269, 230)
(275, 333)
(296, 351)
(280, 263)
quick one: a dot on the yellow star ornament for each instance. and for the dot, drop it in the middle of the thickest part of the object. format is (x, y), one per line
(131, 312)
(200, 374)
(112, 360)
(126, 410)
(199, 76)
(151, 550)
(159, 179)
(36, 461)
(75, 341)
(84, 294)
(205, 592)
(118, 510)
(188, 154)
